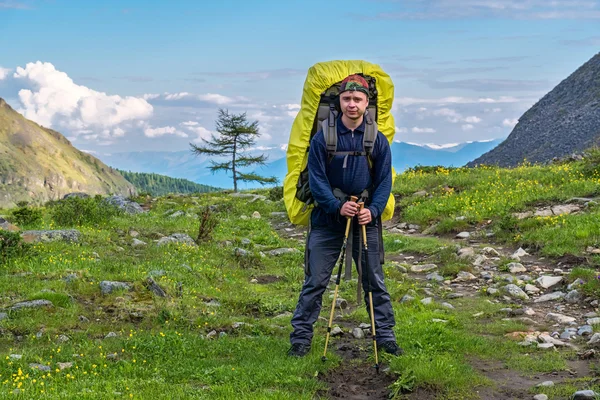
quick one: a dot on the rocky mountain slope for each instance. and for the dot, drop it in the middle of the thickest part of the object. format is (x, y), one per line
(38, 164)
(564, 121)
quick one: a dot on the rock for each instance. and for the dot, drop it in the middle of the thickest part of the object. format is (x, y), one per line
(545, 345)
(549, 297)
(595, 339)
(565, 209)
(540, 397)
(134, 234)
(593, 321)
(278, 252)
(448, 305)
(443, 321)
(279, 214)
(487, 275)
(480, 260)
(584, 395)
(110, 335)
(406, 298)
(337, 331)
(464, 276)
(463, 235)
(341, 303)
(137, 243)
(531, 289)
(549, 339)
(177, 238)
(256, 215)
(576, 283)
(130, 207)
(434, 276)
(152, 286)
(45, 236)
(573, 297)
(107, 287)
(492, 291)
(456, 295)
(560, 318)
(427, 300)
(3, 315)
(32, 304)
(585, 330)
(177, 214)
(65, 365)
(515, 292)
(423, 268)
(211, 334)
(239, 252)
(545, 384)
(520, 253)
(63, 339)
(41, 367)
(548, 281)
(401, 269)
(254, 280)
(246, 241)
(358, 333)
(490, 251)
(16, 356)
(592, 250)
(283, 315)
(420, 193)
(515, 268)
(80, 195)
(466, 252)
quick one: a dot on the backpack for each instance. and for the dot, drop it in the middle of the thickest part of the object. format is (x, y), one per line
(319, 109)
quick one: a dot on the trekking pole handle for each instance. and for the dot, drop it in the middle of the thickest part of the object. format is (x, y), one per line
(364, 228)
(349, 220)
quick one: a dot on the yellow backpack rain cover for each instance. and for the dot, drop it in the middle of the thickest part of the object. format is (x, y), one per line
(320, 77)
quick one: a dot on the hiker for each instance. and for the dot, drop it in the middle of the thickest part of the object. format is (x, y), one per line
(350, 175)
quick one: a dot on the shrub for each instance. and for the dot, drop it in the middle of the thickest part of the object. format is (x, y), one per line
(591, 161)
(25, 215)
(275, 193)
(76, 211)
(11, 246)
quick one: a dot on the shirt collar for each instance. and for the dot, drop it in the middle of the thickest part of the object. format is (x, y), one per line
(343, 129)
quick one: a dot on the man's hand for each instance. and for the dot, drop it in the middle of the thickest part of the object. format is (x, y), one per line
(349, 209)
(364, 216)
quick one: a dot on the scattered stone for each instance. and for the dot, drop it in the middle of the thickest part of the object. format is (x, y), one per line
(177, 214)
(134, 234)
(573, 297)
(548, 281)
(594, 339)
(549, 297)
(427, 300)
(32, 304)
(531, 289)
(434, 276)
(545, 384)
(487, 275)
(560, 318)
(341, 303)
(463, 235)
(177, 238)
(490, 251)
(64, 365)
(222, 334)
(456, 295)
(585, 330)
(464, 276)
(256, 215)
(540, 397)
(401, 268)
(107, 287)
(254, 280)
(480, 260)
(278, 252)
(492, 291)
(110, 335)
(590, 315)
(41, 367)
(16, 356)
(520, 253)
(515, 292)
(420, 193)
(283, 315)
(466, 252)
(137, 243)
(576, 283)
(211, 334)
(63, 339)
(358, 333)
(337, 331)
(406, 298)
(443, 321)
(593, 321)
(240, 252)
(584, 395)
(545, 345)
(130, 207)
(448, 305)
(45, 236)
(423, 268)
(515, 268)
(3, 315)
(154, 287)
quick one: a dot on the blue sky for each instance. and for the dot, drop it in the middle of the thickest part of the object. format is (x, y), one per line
(150, 75)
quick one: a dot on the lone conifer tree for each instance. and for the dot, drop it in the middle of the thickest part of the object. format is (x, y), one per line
(236, 134)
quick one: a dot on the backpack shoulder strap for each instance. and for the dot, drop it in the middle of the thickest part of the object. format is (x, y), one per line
(369, 137)
(329, 126)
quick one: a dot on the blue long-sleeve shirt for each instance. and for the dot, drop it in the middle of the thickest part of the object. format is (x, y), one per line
(351, 179)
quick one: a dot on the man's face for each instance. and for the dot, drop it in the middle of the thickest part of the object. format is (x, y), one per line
(353, 104)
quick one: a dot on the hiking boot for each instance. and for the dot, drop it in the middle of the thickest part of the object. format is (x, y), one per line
(391, 347)
(298, 350)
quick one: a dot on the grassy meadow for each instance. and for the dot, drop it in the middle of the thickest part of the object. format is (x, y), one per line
(222, 331)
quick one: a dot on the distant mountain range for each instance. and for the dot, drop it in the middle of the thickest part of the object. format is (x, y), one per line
(184, 164)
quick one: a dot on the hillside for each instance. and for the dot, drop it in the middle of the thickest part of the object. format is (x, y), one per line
(564, 121)
(158, 185)
(39, 164)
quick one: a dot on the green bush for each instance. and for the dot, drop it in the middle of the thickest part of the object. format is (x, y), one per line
(77, 211)
(25, 215)
(11, 246)
(275, 193)
(591, 161)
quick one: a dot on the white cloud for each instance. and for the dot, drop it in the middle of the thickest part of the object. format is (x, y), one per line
(201, 133)
(416, 129)
(4, 73)
(118, 132)
(467, 127)
(510, 123)
(450, 114)
(407, 101)
(150, 96)
(189, 123)
(215, 98)
(473, 120)
(176, 96)
(56, 101)
(165, 130)
(401, 130)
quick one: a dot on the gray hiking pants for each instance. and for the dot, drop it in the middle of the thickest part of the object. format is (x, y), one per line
(323, 248)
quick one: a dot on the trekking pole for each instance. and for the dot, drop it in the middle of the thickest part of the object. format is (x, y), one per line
(366, 249)
(337, 281)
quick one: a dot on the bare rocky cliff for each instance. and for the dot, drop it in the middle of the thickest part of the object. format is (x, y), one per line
(38, 164)
(564, 121)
